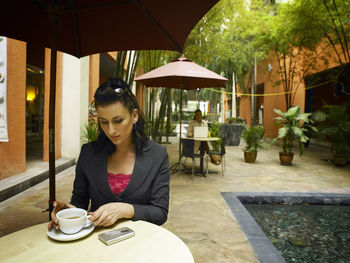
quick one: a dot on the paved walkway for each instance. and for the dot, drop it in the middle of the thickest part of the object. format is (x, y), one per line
(198, 213)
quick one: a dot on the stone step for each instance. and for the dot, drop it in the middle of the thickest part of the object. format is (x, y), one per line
(32, 176)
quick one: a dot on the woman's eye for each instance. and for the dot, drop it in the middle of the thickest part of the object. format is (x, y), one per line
(118, 121)
(104, 122)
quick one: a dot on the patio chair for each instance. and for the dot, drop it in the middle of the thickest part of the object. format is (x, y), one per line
(221, 153)
(187, 152)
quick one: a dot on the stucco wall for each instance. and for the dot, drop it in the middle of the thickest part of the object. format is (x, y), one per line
(72, 97)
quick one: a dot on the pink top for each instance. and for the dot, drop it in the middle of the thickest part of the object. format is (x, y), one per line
(118, 182)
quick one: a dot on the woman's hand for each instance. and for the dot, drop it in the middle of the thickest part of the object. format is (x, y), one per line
(58, 206)
(108, 214)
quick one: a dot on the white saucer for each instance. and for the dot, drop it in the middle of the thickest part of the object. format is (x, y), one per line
(60, 236)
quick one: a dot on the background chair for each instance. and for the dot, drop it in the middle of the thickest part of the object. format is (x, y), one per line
(221, 153)
(187, 151)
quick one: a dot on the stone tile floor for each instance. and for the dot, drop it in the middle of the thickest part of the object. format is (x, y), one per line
(198, 213)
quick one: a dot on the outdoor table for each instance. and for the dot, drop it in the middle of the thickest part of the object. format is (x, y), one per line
(151, 243)
(202, 140)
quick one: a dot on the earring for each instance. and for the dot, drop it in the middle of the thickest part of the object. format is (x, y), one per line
(134, 126)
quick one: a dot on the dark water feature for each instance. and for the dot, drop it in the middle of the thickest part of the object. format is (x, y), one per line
(306, 233)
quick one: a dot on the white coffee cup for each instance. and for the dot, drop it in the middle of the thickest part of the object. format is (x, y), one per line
(72, 220)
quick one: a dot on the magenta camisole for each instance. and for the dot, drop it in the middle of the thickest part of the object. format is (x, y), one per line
(118, 182)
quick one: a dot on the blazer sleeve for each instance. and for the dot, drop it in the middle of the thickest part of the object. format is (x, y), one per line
(80, 194)
(157, 210)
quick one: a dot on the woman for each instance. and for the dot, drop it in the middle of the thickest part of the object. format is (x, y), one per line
(122, 174)
(199, 122)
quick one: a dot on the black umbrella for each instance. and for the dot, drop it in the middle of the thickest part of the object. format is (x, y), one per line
(84, 27)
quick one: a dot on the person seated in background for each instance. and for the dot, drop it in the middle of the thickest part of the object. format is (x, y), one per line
(199, 122)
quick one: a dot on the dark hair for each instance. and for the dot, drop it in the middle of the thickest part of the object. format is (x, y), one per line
(112, 91)
(197, 110)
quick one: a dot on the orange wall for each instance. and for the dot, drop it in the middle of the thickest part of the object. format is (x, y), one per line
(94, 78)
(278, 101)
(13, 153)
(58, 118)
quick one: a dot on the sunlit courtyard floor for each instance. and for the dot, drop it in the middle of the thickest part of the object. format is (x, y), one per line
(198, 213)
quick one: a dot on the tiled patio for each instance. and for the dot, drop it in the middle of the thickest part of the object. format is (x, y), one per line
(198, 213)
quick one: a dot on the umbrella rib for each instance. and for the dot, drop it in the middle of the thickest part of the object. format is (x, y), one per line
(158, 25)
(75, 26)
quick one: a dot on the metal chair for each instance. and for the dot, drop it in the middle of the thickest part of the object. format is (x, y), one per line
(222, 154)
(187, 152)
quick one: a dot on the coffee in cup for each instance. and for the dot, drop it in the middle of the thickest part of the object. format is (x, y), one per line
(72, 220)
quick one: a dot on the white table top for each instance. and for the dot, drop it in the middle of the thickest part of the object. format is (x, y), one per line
(151, 243)
(208, 139)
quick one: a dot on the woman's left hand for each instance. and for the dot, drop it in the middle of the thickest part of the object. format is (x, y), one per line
(108, 214)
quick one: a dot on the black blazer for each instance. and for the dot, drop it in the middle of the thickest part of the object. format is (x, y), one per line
(147, 191)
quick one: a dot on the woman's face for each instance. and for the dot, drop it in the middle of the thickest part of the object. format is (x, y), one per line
(198, 116)
(117, 122)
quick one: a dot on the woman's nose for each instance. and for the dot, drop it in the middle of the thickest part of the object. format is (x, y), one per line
(111, 129)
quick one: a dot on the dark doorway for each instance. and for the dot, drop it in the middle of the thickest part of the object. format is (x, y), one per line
(34, 103)
(325, 87)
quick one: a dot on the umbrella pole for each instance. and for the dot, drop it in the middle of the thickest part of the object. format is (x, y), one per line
(180, 130)
(52, 179)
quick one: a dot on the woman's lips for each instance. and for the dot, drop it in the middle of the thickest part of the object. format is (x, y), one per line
(115, 137)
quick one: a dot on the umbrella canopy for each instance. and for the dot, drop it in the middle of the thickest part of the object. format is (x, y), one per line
(182, 73)
(94, 26)
(85, 27)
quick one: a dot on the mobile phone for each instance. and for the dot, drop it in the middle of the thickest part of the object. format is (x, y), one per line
(116, 235)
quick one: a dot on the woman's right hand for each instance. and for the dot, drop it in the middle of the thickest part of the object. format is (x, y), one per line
(58, 206)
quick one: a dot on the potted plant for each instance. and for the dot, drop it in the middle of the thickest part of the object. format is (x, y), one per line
(253, 138)
(294, 124)
(334, 125)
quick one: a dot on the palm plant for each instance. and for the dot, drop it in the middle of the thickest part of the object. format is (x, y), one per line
(294, 126)
(214, 129)
(91, 130)
(253, 137)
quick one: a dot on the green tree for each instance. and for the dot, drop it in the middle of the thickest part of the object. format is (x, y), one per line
(151, 59)
(125, 65)
(225, 41)
(304, 32)
(325, 22)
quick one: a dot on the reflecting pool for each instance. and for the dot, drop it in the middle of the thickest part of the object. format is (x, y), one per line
(306, 233)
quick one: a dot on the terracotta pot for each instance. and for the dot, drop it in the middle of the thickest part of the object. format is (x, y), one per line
(250, 157)
(339, 160)
(286, 158)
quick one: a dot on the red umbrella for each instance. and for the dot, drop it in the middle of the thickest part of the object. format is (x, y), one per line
(182, 74)
(84, 27)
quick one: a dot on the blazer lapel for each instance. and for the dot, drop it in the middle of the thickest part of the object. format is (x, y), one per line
(143, 165)
(99, 168)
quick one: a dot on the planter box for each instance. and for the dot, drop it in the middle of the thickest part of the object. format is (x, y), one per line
(232, 133)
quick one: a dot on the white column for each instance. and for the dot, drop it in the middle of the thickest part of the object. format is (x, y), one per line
(234, 112)
(74, 103)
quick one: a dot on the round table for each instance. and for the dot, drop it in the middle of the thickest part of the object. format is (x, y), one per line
(151, 243)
